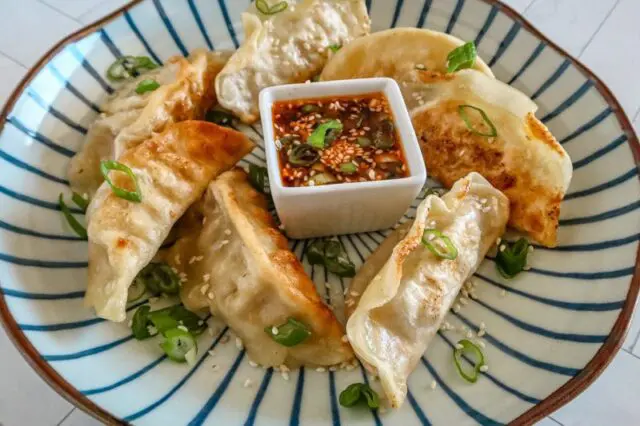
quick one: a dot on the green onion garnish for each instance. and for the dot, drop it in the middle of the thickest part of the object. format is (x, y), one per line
(263, 7)
(348, 168)
(468, 347)
(140, 323)
(331, 254)
(73, 222)
(357, 392)
(309, 108)
(512, 257)
(317, 138)
(289, 334)
(80, 201)
(257, 177)
(147, 85)
(178, 343)
(439, 244)
(174, 316)
(136, 291)
(363, 141)
(129, 66)
(335, 47)
(303, 155)
(221, 118)
(159, 278)
(463, 114)
(107, 166)
(462, 57)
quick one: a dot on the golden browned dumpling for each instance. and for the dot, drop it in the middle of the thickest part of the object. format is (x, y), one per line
(172, 169)
(238, 265)
(523, 159)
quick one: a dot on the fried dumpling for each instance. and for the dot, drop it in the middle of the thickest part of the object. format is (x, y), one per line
(239, 266)
(290, 47)
(408, 289)
(523, 159)
(405, 54)
(172, 170)
(129, 118)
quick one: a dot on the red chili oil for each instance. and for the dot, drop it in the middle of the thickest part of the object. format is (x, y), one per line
(336, 140)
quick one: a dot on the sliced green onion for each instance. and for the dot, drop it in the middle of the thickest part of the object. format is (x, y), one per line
(257, 177)
(107, 166)
(512, 257)
(264, 8)
(303, 155)
(331, 254)
(322, 178)
(73, 222)
(289, 334)
(335, 47)
(193, 322)
(147, 85)
(163, 321)
(463, 114)
(439, 244)
(159, 278)
(129, 66)
(383, 136)
(140, 323)
(178, 343)
(315, 252)
(348, 168)
(310, 108)
(462, 57)
(221, 118)
(465, 347)
(317, 138)
(363, 141)
(80, 201)
(357, 392)
(136, 291)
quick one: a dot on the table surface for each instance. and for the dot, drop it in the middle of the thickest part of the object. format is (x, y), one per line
(603, 34)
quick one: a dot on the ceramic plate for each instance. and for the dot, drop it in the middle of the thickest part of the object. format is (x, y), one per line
(549, 332)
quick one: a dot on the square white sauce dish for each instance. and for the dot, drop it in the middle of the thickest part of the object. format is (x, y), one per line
(342, 156)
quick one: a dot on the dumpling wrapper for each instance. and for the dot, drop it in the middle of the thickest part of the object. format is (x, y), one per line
(395, 53)
(524, 161)
(290, 47)
(238, 265)
(129, 118)
(172, 169)
(412, 290)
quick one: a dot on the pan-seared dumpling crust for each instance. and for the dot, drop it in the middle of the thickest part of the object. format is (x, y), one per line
(290, 47)
(407, 290)
(239, 266)
(128, 118)
(172, 170)
(524, 160)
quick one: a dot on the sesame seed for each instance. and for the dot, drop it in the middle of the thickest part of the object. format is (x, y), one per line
(498, 241)
(502, 247)
(285, 375)
(484, 368)
(211, 296)
(183, 328)
(321, 369)
(239, 343)
(211, 352)
(469, 335)
(503, 293)
(433, 384)
(481, 333)
(274, 330)
(247, 383)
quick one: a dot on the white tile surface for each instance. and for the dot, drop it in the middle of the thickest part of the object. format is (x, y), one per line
(611, 400)
(613, 58)
(75, 8)
(103, 8)
(21, 387)
(79, 418)
(36, 26)
(11, 73)
(568, 22)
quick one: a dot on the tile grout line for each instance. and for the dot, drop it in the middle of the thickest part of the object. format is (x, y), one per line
(14, 61)
(635, 118)
(631, 353)
(593, 36)
(66, 417)
(551, 418)
(59, 11)
(524, 11)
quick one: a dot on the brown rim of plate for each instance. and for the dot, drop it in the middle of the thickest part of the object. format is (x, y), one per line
(551, 403)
